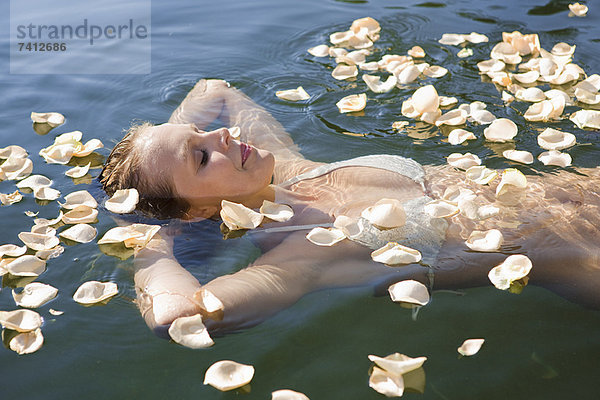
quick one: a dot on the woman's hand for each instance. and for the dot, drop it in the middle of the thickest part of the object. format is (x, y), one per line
(203, 104)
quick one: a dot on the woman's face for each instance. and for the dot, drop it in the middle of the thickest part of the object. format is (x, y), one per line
(205, 167)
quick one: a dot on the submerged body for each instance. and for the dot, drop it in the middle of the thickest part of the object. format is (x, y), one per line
(553, 224)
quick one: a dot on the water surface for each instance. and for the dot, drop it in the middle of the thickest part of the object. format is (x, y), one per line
(538, 345)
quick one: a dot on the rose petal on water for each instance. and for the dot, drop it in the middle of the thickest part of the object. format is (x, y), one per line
(325, 236)
(463, 161)
(321, 50)
(227, 375)
(79, 198)
(276, 212)
(287, 394)
(458, 136)
(480, 174)
(397, 363)
(409, 291)
(78, 172)
(190, 332)
(555, 157)
(386, 214)
(386, 383)
(470, 347)
(37, 241)
(485, 241)
(123, 201)
(80, 233)
(34, 295)
(352, 103)
(293, 94)
(80, 215)
(374, 83)
(20, 320)
(93, 292)
(27, 342)
(553, 139)
(441, 208)
(521, 156)
(53, 119)
(343, 71)
(396, 254)
(511, 269)
(238, 216)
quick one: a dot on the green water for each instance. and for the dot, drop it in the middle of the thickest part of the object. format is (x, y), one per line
(537, 344)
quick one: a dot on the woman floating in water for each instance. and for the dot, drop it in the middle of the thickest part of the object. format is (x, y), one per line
(183, 172)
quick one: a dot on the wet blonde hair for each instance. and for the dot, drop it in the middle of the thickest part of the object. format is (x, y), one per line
(123, 170)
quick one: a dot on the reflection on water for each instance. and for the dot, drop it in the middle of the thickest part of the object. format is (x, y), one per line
(320, 345)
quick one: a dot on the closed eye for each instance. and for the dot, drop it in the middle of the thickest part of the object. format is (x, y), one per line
(203, 159)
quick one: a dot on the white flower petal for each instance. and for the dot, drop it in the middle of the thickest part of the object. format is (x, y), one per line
(521, 156)
(452, 39)
(409, 291)
(81, 233)
(458, 136)
(92, 292)
(34, 181)
(27, 342)
(386, 383)
(134, 235)
(46, 193)
(79, 198)
(37, 241)
(80, 215)
(463, 161)
(435, 71)
(586, 119)
(416, 52)
(486, 241)
(552, 139)
(208, 301)
(190, 332)
(21, 320)
(276, 212)
(555, 157)
(385, 214)
(512, 269)
(237, 216)
(123, 201)
(325, 236)
(396, 254)
(12, 250)
(453, 118)
(579, 10)
(293, 94)
(53, 119)
(480, 174)
(343, 71)
(398, 363)
(374, 83)
(321, 50)
(352, 103)
(78, 172)
(228, 375)
(13, 151)
(286, 394)
(34, 295)
(470, 347)
(441, 208)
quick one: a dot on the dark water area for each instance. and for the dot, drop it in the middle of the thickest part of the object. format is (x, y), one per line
(538, 345)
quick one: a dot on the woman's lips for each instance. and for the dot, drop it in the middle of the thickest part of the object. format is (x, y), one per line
(246, 150)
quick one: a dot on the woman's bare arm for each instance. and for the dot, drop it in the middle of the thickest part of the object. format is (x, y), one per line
(212, 99)
(165, 290)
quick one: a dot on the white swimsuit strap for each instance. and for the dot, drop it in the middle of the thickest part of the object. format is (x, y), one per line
(392, 163)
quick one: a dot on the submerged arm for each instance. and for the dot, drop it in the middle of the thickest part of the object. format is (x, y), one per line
(212, 99)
